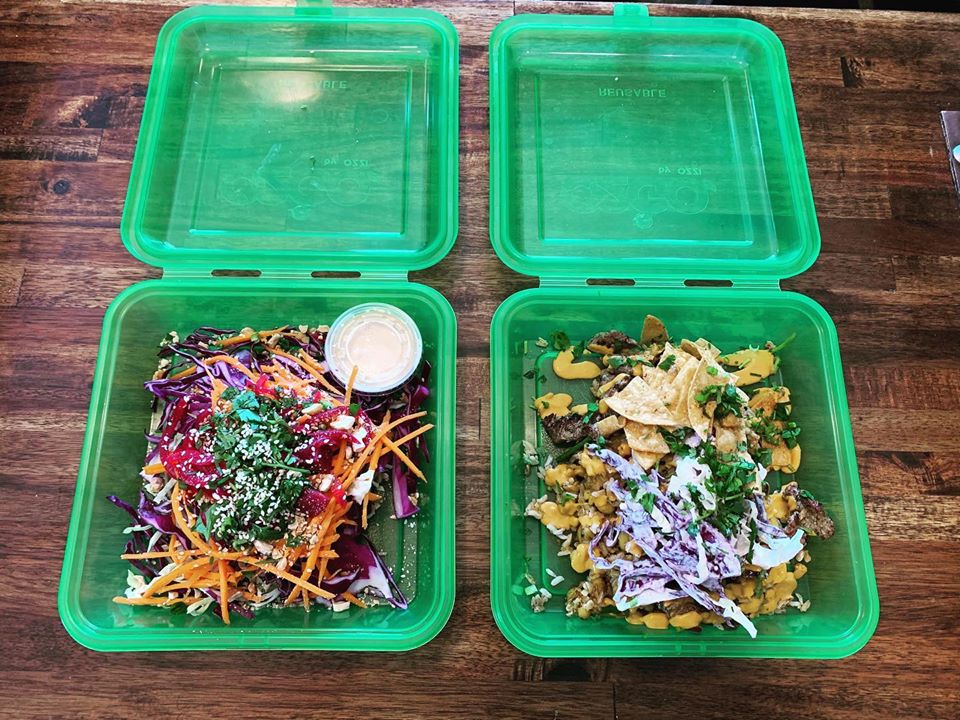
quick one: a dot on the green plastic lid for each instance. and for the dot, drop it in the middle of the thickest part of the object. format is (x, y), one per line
(647, 148)
(308, 138)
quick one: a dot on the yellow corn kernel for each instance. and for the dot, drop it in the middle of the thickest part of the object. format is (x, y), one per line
(580, 558)
(553, 404)
(754, 365)
(778, 594)
(602, 501)
(602, 390)
(561, 474)
(776, 575)
(687, 620)
(776, 506)
(593, 465)
(744, 589)
(566, 368)
(551, 514)
(656, 621)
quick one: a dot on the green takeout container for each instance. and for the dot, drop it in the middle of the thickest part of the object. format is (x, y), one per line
(296, 142)
(663, 152)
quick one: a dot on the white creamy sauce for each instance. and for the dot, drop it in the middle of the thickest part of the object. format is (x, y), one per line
(381, 342)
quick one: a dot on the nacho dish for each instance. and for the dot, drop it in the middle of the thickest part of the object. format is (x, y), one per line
(669, 469)
(262, 473)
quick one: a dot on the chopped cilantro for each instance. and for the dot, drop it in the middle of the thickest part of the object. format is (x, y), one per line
(647, 500)
(726, 397)
(782, 345)
(711, 370)
(676, 441)
(730, 474)
(253, 446)
(667, 362)
(570, 451)
(764, 456)
(758, 590)
(560, 340)
(615, 361)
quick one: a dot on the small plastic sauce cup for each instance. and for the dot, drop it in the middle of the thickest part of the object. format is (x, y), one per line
(381, 340)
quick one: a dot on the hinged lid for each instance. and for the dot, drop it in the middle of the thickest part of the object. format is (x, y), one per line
(646, 148)
(311, 138)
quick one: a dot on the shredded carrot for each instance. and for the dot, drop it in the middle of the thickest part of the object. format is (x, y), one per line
(394, 447)
(203, 583)
(152, 555)
(354, 599)
(403, 457)
(416, 433)
(230, 360)
(319, 370)
(320, 378)
(384, 428)
(287, 576)
(323, 521)
(161, 582)
(353, 378)
(268, 333)
(183, 373)
(182, 524)
(312, 361)
(218, 387)
(235, 340)
(224, 602)
(341, 456)
(197, 566)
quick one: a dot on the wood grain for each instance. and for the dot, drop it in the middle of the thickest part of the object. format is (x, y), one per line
(868, 87)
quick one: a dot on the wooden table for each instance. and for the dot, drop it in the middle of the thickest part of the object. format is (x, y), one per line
(869, 87)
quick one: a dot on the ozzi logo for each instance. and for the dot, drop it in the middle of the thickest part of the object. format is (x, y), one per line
(632, 92)
(332, 85)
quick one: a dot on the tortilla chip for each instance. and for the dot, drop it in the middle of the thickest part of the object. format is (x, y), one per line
(646, 460)
(608, 425)
(690, 347)
(653, 330)
(699, 419)
(679, 390)
(700, 349)
(671, 385)
(641, 403)
(645, 438)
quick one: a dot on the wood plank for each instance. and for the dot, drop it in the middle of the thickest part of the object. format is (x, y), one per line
(868, 89)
